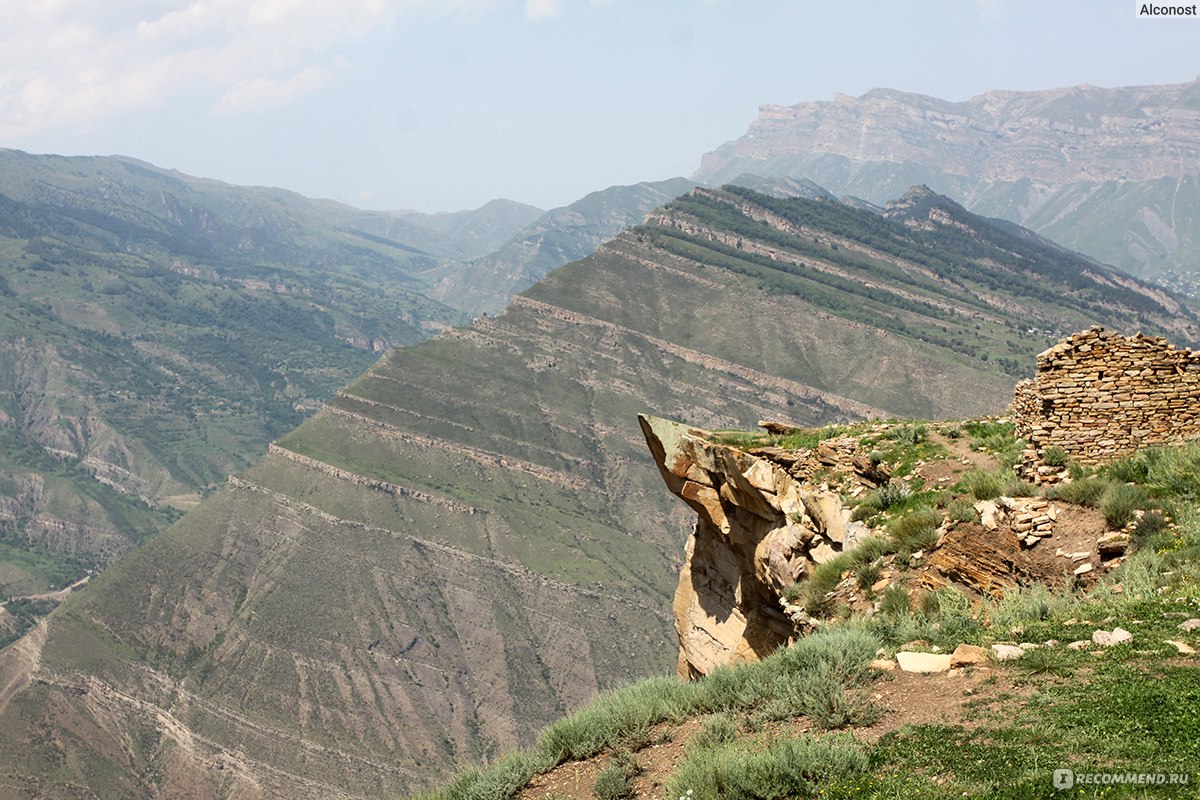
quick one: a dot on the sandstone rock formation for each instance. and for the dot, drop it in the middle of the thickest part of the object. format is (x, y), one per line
(758, 531)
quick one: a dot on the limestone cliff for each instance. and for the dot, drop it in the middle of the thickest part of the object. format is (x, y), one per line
(759, 530)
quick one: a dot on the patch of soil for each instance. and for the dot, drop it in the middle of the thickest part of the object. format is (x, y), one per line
(948, 471)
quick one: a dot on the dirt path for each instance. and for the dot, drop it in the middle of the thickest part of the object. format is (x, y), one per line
(59, 594)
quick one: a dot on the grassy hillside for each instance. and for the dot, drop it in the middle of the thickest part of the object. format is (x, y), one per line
(470, 539)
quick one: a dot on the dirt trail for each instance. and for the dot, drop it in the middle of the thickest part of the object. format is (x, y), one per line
(59, 594)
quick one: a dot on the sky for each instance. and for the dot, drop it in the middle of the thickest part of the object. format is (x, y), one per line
(426, 105)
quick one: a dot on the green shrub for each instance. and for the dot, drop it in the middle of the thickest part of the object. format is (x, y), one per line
(1023, 605)
(1130, 469)
(1119, 502)
(717, 730)
(1054, 456)
(500, 781)
(1084, 492)
(961, 510)
(1174, 471)
(792, 767)
(615, 782)
(895, 601)
(982, 484)
(1149, 527)
(909, 434)
(870, 549)
(617, 720)
(916, 530)
(1016, 487)
(822, 581)
(867, 574)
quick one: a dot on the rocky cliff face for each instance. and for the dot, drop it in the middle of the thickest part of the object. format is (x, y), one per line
(1110, 172)
(759, 530)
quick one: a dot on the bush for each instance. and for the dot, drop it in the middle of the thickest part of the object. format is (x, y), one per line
(717, 730)
(981, 484)
(867, 574)
(895, 601)
(916, 530)
(1149, 527)
(615, 782)
(793, 767)
(961, 510)
(617, 720)
(1084, 492)
(1023, 605)
(823, 580)
(1119, 502)
(1054, 456)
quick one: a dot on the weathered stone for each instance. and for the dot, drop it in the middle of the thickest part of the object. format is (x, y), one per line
(1006, 652)
(923, 662)
(1110, 638)
(989, 514)
(1189, 625)
(1183, 648)
(967, 655)
(883, 663)
(1082, 644)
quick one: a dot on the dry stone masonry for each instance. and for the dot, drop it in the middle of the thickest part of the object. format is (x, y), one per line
(1099, 395)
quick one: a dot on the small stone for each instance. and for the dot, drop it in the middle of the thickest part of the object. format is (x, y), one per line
(1006, 652)
(923, 662)
(884, 664)
(1031, 540)
(1190, 625)
(1082, 644)
(1083, 569)
(1110, 638)
(1183, 648)
(968, 655)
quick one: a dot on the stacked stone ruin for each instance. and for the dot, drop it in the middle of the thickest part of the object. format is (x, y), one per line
(1099, 395)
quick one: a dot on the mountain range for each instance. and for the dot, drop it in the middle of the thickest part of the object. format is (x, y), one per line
(470, 538)
(1113, 173)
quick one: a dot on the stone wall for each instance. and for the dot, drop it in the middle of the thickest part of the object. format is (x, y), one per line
(1099, 395)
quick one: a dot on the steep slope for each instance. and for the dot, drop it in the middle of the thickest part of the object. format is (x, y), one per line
(156, 331)
(558, 237)
(1110, 172)
(471, 538)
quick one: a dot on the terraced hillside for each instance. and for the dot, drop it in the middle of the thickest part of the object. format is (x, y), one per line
(470, 539)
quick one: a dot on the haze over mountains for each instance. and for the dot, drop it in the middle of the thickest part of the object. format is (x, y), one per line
(470, 539)
(1114, 173)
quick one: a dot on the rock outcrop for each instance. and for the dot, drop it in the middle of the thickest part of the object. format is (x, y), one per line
(759, 530)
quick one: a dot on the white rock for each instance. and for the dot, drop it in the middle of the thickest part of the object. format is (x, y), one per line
(1082, 644)
(1109, 638)
(923, 662)
(1190, 625)
(1083, 569)
(1183, 648)
(1006, 652)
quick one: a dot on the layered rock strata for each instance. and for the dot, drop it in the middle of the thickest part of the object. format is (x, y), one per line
(759, 530)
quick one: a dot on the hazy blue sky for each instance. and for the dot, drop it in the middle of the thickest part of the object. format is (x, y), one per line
(444, 105)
